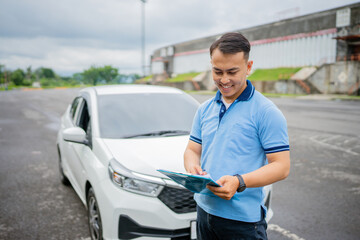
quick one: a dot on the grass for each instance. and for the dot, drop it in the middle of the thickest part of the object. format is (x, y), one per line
(145, 79)
(283, 95)
(45, 87)
(69, 86)
(346, 97)
(272, 74)
(183, 77)
(201, 92)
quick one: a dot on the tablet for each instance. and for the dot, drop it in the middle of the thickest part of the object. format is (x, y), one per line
(195, 183)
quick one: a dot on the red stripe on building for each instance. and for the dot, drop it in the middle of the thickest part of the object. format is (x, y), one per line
(191, 52)
(157, 59)
(295, 36)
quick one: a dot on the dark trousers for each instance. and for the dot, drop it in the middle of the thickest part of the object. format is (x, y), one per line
(210, 227)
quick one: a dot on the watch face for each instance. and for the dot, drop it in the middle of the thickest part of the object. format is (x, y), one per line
(241, 188)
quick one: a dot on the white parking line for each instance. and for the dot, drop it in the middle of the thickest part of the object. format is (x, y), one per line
(333, 146)
(284, 232)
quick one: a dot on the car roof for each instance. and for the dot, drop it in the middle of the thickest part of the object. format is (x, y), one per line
(131, 89)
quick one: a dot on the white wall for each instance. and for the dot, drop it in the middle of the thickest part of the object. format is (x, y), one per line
(157, 67)
(304, 51)
(192, 63)
(307, 51)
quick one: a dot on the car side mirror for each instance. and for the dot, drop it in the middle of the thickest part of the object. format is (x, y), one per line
(75, 135)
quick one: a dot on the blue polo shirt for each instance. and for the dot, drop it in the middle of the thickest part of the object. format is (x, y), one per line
(236, 141)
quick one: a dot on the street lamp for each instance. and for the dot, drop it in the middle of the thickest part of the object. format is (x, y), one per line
(143, 36)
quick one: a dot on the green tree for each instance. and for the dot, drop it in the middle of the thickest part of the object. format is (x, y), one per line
(17, 77)
(136, 76)
(29, 74)
(78, 77)
(2, 69)
(91, 75)
(48, 73)
(95, 74)
(108, 73)
(44, 73)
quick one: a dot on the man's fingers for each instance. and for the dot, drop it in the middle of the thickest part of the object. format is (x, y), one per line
(221, 192)
(221, 181)
(216, 189)
(199, 170)
(196, 170)
(227, 190)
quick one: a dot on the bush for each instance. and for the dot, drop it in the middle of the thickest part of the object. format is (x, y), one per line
(27, 82)
(45, 82)
(17, 77)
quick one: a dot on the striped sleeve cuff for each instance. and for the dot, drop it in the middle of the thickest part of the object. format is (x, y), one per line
(195, 139)
(277, 149)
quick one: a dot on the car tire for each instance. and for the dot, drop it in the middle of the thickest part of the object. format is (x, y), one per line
(64, 180)
(94, 218)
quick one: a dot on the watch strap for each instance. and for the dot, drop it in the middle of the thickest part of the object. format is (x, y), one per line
(242, 185)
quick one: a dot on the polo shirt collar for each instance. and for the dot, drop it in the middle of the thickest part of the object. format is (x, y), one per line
(244, 96)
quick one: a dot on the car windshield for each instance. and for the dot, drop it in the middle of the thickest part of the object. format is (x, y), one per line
(145, 115)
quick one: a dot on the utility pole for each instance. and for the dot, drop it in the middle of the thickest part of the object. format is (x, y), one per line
(143, 36)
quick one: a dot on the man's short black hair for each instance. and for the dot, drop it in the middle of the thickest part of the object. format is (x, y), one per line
(231, 43)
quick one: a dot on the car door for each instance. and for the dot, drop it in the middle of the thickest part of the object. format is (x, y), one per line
(68, 153)
(82, 153)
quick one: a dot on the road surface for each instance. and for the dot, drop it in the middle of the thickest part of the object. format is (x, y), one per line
(319, 200)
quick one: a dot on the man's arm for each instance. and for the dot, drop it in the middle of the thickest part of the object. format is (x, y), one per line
(277, 169)
(192, 157)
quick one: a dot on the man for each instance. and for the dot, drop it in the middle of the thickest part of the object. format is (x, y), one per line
(240, 138)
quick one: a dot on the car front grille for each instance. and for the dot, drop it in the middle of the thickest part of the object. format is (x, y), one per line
(178, 200)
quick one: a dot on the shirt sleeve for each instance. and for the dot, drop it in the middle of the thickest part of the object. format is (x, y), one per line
(273, 131)
(195, 134)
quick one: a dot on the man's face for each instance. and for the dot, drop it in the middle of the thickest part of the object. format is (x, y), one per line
(229, 73)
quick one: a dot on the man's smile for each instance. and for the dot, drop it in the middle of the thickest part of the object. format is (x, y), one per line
(225, 87)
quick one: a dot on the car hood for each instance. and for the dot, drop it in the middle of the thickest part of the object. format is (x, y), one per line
(146, 155)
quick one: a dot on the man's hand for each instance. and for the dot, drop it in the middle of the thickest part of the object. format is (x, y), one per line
(195, 169)
(229, 185)
(192, 158)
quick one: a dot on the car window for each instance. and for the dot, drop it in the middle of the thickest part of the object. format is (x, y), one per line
(126, 115)
(83, 116)
(83, 120)
(74, 106)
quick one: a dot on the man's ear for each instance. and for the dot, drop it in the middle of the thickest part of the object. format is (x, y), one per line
(249, 66)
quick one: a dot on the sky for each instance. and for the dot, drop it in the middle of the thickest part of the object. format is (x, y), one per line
(69, 36)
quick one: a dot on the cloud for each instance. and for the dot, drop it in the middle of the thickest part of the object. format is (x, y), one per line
(59, 54)
(71, 35)
(108, 20)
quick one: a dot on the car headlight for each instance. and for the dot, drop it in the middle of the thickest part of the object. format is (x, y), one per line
(134, 182)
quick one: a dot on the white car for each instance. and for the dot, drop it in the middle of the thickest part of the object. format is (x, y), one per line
(111, 142)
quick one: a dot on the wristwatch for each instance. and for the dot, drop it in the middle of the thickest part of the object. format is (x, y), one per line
(242, 185)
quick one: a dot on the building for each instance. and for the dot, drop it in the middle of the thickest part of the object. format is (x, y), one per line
(315, 39)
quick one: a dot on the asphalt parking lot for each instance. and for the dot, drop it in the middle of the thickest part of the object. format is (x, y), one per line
(319, 200)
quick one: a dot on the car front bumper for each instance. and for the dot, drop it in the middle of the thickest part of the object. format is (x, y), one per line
(129, 229)
(127, 215)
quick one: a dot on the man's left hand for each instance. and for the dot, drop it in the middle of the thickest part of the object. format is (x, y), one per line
(229, 185)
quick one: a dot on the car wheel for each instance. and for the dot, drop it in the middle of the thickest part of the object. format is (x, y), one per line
(94, 216)
(63, 178)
